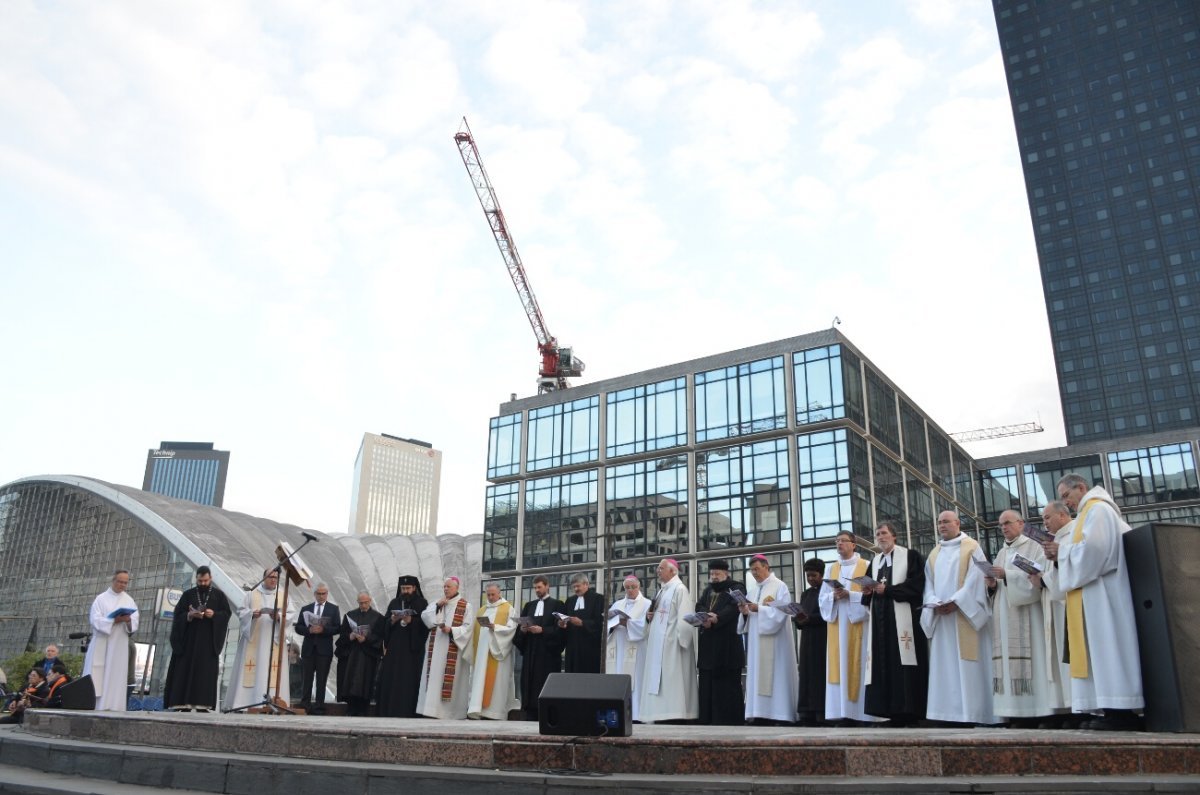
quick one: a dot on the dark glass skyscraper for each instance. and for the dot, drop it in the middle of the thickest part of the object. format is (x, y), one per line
(187, 471)
(1106, 100)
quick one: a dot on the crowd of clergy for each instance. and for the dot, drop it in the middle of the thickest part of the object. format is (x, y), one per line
(1041, 636)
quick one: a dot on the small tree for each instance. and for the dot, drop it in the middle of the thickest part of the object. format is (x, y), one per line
(16, 668)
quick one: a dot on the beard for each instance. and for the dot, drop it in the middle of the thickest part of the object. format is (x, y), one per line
(721, 586)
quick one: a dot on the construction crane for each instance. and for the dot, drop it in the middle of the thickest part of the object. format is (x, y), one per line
(558, 363)
(996, 432)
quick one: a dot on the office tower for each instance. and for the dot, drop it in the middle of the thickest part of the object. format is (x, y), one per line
(1106, 100)
(187, 471)
(396, 484)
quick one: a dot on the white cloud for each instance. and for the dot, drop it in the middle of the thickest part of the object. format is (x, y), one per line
(770, 43)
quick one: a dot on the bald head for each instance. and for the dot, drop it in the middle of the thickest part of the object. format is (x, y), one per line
(948, 525)
(1056, 516)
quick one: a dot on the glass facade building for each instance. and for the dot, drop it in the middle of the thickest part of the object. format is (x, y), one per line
(772, 449)
(1106, 103)
(62, 537)
(187, 471)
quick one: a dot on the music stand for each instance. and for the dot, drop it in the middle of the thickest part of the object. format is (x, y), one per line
(294, 571)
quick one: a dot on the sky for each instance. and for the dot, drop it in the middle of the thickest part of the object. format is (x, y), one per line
(248, 223)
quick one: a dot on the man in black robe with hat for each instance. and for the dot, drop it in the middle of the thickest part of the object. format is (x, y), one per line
(359, 649)
(721, 656)
(540, 643)
(197, 637)
(404, 635)
(810, 700)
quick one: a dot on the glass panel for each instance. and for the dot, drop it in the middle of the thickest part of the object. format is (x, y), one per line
(646, 508)
(922, 527)
(964, 490)
(560, 585)
(563, 434)
(740, 400)
(1150, 475)
(560, 520)
(913, 425)
(743, 495)
(939, 460)
(882, 399)
(832, 474)
(853, 387)
(819, 392)
(1041, 480)
(504, 446)
(501, 504)
(889, 490)
(998, 488)
(647, 418)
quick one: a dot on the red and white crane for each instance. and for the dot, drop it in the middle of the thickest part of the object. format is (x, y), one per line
(558, 363)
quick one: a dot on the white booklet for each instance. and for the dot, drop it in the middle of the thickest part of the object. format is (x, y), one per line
(1027, 565)
(312, 620)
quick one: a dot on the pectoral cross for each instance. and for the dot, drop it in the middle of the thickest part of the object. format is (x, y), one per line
(907, 639)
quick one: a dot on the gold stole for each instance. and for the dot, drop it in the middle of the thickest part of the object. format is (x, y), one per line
(833, 646)
(251, 663)
(1076, 629)
(968, 637)
(493, 665)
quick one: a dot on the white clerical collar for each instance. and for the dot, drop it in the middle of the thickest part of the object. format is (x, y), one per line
(578, 602)
(540, 610)
(952, 541)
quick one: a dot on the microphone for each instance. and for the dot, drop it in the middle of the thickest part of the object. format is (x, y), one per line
(309, 535)
(78, 635)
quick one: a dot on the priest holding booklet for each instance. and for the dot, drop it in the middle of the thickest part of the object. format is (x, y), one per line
(404, 634)
(259, 655)
(493, 686)
(359, 649)
(627, 633)
(841, 600)
(667, 664)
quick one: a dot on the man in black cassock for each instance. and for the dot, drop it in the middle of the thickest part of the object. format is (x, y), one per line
(359, 649)
(583, 627)
(540, 642)
(899, 683)
(810, 700)
(197, 637)
(404, 650)
(721, 656)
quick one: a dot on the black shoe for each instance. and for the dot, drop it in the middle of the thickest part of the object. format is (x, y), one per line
(1113, 723)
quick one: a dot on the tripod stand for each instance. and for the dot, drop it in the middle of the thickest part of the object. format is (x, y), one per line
(293, 570)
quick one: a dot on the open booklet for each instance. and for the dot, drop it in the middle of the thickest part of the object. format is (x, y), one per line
(835, 584)
(695, 619)
(1038, 534)
(313, 620)
(1026, 565)
(361, 630)
(790, 608)
(983, 566)
(739, 597)
(122, 611)
(483, 621)
(561, 616)
(866, 581)
(616, 613)
(405, 613)
(268, 612)
(526, 621)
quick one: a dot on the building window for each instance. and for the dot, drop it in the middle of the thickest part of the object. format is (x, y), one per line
(740, 400)
(647, 573)
(1153, 474)
(998, 490)
(647, 418)
(820, 395)
(913, 426)
(501, 505)
(564, 434)
(964, 490)
(1041, 480)
(646, 508)
(743, 495)
(889, 490)
(922, 528)
(560, 520)
(560, 585)
(832, 475)
(882, 400)
(782, 566)
(939, 460)
(504, 446)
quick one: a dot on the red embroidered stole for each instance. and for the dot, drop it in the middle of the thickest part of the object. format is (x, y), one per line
(451, 653)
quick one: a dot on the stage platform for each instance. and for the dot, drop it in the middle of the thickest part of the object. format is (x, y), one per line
(235, 753)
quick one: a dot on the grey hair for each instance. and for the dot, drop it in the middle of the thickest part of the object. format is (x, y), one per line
(674, 567)
(492, 584)
(581, 577)
(1057, 506)
(1073, 480)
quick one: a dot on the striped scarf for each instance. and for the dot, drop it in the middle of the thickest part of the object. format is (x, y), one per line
(460, 610)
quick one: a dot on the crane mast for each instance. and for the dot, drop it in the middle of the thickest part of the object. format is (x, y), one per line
(558, 364)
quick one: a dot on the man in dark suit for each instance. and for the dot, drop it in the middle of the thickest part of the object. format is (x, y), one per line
(540, 644)
(318, 623)
(583, 627)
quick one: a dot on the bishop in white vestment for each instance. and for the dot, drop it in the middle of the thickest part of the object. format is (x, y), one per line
(770, 650)
(626, 636)
(955, 618)
(257, 662)
(667, 668)
(493, 685)
(846, 640)
(445, 688)
(1056, 519)
(107, 660)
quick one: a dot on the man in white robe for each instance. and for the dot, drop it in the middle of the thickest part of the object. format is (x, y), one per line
(114, 617)
(445, 676)
(770, 650)
(846, 641)
(667, 668)
(1023, 666)
(627, 633)
(493, 686)
(258, 656)
(1102, 644)
(1056, 519)
(955, 618)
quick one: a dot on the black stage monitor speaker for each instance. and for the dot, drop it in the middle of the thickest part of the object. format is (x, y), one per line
(586, 705)
(1164, 573)
(78, 694)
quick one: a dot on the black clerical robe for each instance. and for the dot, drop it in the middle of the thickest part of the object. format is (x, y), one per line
(898, 691)
(720, 660)
(810, 700)
(404, 652)
(358, 660)
(541, 653)
(583, 642)
(196, 649)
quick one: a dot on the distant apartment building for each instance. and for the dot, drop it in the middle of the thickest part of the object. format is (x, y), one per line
(396, 486)
(187, 471)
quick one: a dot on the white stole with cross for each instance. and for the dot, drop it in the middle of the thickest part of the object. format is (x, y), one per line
(903, 610)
